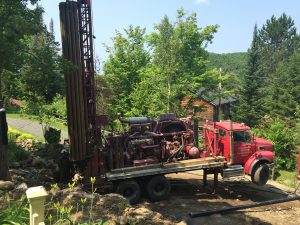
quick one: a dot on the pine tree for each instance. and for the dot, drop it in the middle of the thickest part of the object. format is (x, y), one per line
(284, 94)
(249, 109)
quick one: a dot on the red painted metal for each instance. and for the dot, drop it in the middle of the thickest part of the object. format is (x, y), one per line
(258, 157)
(93, 134)
(247, 150)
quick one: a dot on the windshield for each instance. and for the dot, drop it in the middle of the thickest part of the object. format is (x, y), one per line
(241, 136)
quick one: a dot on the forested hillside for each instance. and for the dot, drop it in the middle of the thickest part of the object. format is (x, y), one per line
(229, 62)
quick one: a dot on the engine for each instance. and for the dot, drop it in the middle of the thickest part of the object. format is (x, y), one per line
(148, 141)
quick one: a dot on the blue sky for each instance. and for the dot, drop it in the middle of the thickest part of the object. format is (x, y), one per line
(235, 17)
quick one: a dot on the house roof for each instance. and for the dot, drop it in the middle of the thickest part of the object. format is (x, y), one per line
(212, 97)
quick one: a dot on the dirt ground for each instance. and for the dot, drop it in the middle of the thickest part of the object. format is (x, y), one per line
(188, 195)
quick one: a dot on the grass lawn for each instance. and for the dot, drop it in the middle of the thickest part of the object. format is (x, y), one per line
(287, 178)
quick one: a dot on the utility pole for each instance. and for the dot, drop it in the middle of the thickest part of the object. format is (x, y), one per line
(4, 175)
(220, 95)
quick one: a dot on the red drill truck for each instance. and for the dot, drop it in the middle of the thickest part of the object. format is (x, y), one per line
(153, 148)
(148, 149)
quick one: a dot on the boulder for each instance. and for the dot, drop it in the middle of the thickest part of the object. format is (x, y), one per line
(6, 185)
(38, 161)
(22, 187)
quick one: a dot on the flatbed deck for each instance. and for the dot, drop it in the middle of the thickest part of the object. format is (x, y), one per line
(166, 168)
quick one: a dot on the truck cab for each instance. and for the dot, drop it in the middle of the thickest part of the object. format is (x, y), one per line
(235, 142)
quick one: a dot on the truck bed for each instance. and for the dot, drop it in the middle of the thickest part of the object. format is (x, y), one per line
(165, 168)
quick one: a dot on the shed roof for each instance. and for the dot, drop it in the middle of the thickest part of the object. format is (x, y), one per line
(211, 97)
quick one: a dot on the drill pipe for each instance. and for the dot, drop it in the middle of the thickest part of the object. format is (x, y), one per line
(246, 206)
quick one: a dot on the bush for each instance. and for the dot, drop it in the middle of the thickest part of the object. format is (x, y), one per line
(283, 137)
(16, 152)
(52, 135)
(57, 109)
(33, 106)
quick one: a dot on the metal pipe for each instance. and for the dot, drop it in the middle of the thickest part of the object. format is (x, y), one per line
(246, 206)
(74, 81)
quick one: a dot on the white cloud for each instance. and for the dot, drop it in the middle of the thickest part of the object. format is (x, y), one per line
(202, 1)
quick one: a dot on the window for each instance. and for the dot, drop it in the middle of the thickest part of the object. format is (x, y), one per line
(222, 133)
(241, 136)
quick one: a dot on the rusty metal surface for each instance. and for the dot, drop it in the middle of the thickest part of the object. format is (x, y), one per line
(181, 166)
(73, 79)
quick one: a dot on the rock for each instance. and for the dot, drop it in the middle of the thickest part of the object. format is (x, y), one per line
(15, 165)
(6, 185)
(51, 164)
(38, 161)
(19, 172)
(17, 178)
(22, 187)
(182, 223)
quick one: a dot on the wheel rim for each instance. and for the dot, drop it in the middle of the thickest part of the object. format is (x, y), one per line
(160, 187)
(128, 192)
(264, 175)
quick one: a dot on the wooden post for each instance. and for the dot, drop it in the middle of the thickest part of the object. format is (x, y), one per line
(220, 96)
(36, 197)
(4, 175)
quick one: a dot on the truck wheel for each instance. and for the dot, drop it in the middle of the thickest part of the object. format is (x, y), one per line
(260, 174)
(158, 188)
(130, 190)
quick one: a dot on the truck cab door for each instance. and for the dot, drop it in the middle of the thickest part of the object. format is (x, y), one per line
(242, 146)
(222, 142)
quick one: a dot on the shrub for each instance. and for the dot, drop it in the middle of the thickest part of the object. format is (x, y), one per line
(52, 135)
(33, 106)
(57, 109)
(283, 137)
(16, 152)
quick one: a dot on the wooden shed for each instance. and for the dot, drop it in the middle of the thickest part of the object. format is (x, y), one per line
(208, 109)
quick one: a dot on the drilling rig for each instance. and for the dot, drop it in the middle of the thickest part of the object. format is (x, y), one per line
(142, 156)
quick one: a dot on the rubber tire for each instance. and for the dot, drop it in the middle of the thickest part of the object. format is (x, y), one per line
(161, 183)
(130, 190)
(260, 174)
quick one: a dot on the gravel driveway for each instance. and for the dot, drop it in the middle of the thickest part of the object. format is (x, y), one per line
(31, 126)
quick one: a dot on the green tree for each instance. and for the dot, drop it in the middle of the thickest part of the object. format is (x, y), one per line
(40, 74)
(284, 96)
(180, 56)
(249, 109)
(122, 69)
(16, 22)
(277, 41)
(150, 96)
